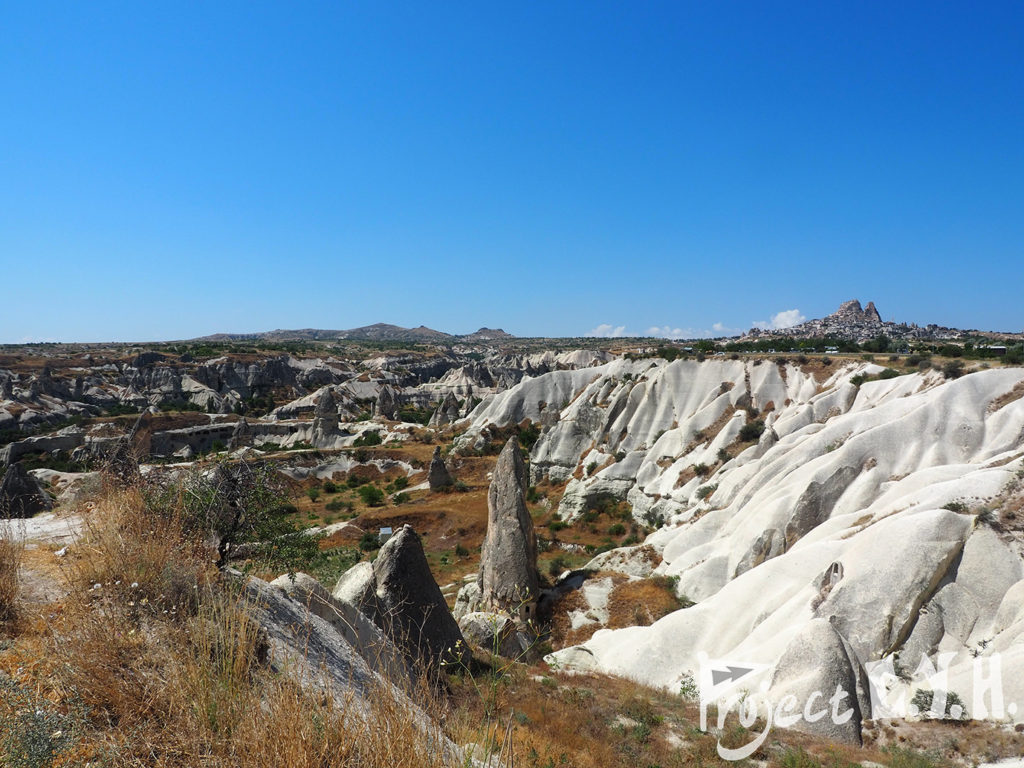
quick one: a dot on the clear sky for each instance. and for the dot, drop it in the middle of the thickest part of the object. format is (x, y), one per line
(172, 169)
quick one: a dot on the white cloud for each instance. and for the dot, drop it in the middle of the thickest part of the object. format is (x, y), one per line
(787, 318)
(665, 332)
(606, 330)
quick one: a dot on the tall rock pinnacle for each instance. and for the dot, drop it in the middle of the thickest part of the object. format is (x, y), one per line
(508, 577)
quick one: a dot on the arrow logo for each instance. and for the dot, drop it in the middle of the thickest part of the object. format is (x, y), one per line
(719, 676)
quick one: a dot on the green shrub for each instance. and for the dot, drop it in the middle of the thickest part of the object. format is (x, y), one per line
(616, 529)
(889, 373)
(751, 431)
(701, 470)
(313, 493)
(330, 487)
(706, 490)
(371, 495)
(369, 541)
(368, 438)
(337, 505)
(953, 369)
(401, 498)
(591, 467)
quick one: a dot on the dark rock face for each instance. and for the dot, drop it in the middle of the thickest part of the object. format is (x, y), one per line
(438, 476)
(447, 412)
(387, 403)
(325, 418)
(21, 495)
(816, 503)
(242, 434)
(508, 579)
(820, 660)
(412, 610)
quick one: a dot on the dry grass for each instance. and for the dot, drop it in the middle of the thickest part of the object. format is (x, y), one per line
(161, 664)
(1005, 399)
(11, 553)
(641, 603)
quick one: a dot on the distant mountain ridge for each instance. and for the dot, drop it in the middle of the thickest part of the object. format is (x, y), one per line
(375, 332)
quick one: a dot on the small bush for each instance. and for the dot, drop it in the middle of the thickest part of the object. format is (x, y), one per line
(701, 470)
(953, 369)
(313, 493)
(368, 438)
(706, 490)
(889, 373)
(371, 495)
(923, 700)
(337, 505)
(369, 541)
(591, 467)
(751, 431)
(616, 529)
(461, 551)
(330, 487)
(723, 456)
(401, 498)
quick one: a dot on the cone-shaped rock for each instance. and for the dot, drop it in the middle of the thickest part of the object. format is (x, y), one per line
(447, 412)
(20, 494)
(412, 610)
(438, 475)
(387, 403)
(508, 562)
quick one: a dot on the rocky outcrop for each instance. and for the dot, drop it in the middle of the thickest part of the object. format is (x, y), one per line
(508, 579)
(387, 403)
(241, 436)
(21, 495)
(495, 633)
(359, 631)
(820, 662)
(438, 475)
(446, 413)
(409, 605)
(325, 419)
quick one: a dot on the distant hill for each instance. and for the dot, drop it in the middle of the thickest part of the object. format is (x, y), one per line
(375, 332)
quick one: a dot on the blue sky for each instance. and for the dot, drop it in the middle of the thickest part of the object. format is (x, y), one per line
(171, 169)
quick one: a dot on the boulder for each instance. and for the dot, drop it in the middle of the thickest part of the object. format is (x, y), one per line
(412, 610)
(495, 633)
(467, 600)
(21, 495)
(508, 578)
(438, 476)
